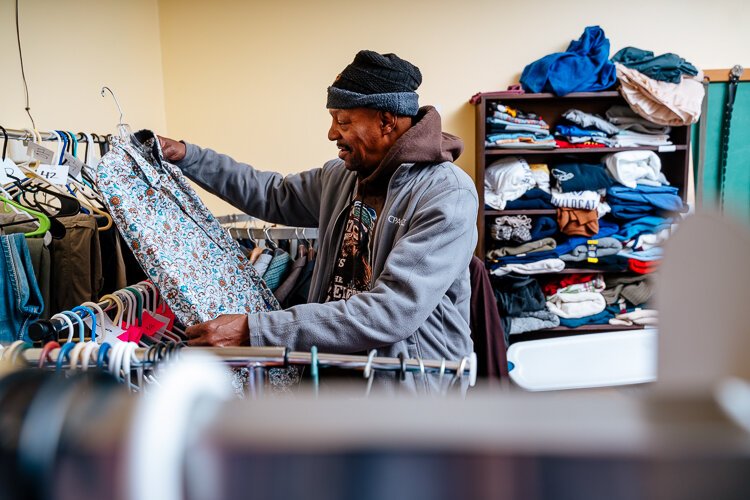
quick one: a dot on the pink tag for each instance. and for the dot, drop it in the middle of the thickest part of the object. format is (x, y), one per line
(132, 334)
(150, 325)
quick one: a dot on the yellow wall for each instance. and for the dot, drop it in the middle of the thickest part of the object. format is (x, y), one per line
(71, 49)
(249, 78)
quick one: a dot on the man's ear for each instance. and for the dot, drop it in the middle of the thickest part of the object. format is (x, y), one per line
(388, 122)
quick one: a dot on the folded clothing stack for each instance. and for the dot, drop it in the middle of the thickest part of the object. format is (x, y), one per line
(581, 129)
(631, 168)
(522, 305)
(635, 203)
(506, 180)
(510, 128)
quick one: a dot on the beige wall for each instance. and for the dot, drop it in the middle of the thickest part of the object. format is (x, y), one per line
(71, 49)
(249, 78)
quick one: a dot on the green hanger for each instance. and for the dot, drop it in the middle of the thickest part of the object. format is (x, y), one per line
(44, 223)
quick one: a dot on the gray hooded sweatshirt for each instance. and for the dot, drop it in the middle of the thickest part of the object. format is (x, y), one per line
(424, 237)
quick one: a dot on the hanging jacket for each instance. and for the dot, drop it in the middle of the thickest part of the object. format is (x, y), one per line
(418, 304)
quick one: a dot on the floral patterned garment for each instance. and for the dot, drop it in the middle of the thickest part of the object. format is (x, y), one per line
(199, 269)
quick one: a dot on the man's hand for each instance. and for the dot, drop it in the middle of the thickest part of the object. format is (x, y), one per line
(172, 150)
(228, 330)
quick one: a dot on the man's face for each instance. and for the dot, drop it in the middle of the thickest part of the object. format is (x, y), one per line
(358, 134)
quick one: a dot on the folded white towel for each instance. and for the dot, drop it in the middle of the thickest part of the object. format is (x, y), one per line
(576, 304)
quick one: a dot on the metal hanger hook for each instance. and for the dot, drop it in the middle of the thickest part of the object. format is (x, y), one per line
(116, 103)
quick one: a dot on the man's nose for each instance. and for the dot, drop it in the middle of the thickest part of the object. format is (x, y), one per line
(333, 134)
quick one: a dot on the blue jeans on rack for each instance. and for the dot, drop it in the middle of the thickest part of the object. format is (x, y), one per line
(21, 299)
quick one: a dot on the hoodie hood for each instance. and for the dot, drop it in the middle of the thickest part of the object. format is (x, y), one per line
(424, 142)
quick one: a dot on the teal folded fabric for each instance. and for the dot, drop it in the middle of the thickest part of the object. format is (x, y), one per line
(666, 67)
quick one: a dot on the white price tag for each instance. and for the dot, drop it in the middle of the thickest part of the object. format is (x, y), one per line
(39, 152)
(74, 165)
(105, 329)
(10, 172)
(55, 174)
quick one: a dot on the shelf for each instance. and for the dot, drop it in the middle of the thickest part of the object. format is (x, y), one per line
(586, 151)
(609, 94)
(527, 211)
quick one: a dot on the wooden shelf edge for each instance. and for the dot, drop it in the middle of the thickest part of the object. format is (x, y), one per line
(545, 95)
(587, 151)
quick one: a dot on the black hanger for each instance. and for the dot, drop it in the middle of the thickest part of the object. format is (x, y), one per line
(5, 143)
(35, 195)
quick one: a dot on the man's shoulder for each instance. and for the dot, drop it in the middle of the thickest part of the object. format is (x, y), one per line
(446, 174)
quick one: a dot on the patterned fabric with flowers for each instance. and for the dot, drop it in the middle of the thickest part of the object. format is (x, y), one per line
(200, 271)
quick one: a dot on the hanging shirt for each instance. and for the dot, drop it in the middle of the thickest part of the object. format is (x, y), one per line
(352, 272)
(199, 270)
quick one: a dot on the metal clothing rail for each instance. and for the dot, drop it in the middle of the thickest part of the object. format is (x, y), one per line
(276, 233)
(271, 357)
(26, 135)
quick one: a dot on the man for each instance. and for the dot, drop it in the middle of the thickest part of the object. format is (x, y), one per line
(396, 223)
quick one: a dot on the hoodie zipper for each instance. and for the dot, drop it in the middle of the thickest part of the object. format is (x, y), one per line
(381, 218)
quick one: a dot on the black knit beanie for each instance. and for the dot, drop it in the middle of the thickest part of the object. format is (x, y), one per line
(378, 81)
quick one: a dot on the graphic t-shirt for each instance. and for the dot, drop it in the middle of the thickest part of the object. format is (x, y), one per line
(353, 268)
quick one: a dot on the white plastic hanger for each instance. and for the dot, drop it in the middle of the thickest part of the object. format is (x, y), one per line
(66, 319)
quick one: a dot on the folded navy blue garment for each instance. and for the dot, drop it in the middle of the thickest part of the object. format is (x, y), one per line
(606, 228)
(533, 198)
(608, 263)
(630, 212)
(583, 67)
(581, 177)
(666, 67)
(576, 131)
(596, 319)
(660, 197)
(543, 227)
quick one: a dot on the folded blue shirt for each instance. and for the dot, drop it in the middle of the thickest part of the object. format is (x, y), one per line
(601, 318)
(661, 197)
(576, 131)
(648, 224)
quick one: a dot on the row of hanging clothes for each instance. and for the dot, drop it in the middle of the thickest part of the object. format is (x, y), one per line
(283, 256)
(59, 243)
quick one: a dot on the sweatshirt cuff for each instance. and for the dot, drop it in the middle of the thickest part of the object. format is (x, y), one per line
(191, 155)
(253, 323)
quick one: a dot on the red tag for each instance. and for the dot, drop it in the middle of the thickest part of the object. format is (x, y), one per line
(150, 325)
(132, 334)
(165, 311)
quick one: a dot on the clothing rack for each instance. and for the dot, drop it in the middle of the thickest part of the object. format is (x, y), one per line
(276, 233)
(271, 357)
(25, 135)
(280, 233)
